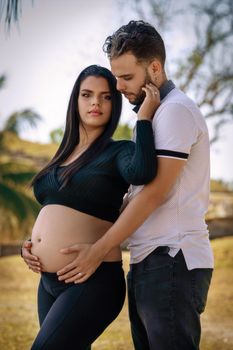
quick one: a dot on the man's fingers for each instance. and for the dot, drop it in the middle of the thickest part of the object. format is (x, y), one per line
(71, 279)
(82, 279)
(66, 269)
(68, 275)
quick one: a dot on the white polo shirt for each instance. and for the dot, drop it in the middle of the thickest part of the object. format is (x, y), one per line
(180, 132)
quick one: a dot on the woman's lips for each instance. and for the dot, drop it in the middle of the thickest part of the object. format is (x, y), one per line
(95, 113)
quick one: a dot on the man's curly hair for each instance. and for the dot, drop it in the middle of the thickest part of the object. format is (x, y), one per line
(138, 37)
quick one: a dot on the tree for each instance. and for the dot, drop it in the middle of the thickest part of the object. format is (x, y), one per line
(18, 120)
(15, 202)
(123, 132)
(2, 81)
(11, 11)
(204, 71)
(17, 208)
(56, 135)
(220, 186)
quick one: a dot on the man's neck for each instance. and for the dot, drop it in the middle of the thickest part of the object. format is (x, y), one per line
(161, 80)
(164, 89)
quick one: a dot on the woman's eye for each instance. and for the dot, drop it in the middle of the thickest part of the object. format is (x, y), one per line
(84, 94)
(108, 97)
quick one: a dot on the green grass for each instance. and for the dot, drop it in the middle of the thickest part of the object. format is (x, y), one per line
(19, 325)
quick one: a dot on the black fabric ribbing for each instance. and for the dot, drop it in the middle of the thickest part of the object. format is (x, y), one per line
(98, 188)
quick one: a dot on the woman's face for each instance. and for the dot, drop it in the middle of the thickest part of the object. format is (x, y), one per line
(94, 102)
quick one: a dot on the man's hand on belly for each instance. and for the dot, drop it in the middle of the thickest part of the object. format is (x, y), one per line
(82, 267)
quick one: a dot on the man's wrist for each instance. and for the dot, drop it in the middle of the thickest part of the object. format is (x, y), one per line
(100, 248)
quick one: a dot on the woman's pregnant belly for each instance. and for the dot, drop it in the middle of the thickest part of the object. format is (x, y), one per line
(58, 227)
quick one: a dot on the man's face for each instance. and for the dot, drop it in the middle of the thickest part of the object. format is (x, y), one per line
(131, 77)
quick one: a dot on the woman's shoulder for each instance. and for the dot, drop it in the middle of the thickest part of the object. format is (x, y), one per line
(121, 143)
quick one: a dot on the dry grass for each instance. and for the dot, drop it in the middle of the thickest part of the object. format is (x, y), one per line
(18, 322)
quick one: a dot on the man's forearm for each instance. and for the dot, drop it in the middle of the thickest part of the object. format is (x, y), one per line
(141, 206)
(133, 216)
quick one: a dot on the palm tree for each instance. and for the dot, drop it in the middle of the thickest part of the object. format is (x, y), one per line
(12, 9)
(2, 80)
(16, 205)
(18, 120)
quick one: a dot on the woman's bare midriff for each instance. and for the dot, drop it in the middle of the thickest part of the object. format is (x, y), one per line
(59, 227)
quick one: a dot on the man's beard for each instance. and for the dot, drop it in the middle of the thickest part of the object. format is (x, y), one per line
(141, 95)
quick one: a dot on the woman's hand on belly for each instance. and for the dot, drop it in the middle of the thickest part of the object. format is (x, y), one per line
(31, 260)
(82, 267)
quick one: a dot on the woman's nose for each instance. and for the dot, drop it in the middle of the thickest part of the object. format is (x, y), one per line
(95, 101)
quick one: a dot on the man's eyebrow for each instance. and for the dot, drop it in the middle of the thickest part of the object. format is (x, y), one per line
(124, 75)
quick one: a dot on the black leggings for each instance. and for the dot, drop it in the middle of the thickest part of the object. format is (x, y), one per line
(72, 315)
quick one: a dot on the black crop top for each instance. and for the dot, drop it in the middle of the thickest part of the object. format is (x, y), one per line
(98, 187)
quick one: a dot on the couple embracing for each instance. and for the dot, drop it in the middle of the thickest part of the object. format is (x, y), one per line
(163, 175)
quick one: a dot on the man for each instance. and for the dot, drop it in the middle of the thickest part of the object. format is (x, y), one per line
(171, 260)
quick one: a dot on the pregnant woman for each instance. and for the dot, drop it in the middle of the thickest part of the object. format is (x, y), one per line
(81, 191)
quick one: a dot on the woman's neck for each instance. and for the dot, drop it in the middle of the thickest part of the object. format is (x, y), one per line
(86, 137)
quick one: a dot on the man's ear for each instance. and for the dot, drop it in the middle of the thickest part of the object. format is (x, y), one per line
(155, 69)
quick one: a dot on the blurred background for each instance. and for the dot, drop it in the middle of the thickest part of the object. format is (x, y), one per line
(43, 47)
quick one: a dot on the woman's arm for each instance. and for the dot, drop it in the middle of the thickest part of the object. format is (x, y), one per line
(136, 162)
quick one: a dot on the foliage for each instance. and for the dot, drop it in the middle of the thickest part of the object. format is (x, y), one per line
(220, 186)
(17, 207)
(2, 80)
(56, 135)
(123, 132)
(15, 148)
(12, 10)
(19, 162)
(18, 120)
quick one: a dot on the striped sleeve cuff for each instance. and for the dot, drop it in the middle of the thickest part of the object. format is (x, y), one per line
(171, 154)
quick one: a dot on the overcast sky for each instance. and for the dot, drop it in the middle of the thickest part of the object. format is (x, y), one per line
(54, 41)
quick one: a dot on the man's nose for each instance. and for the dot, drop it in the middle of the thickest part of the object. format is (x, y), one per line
(120, 85)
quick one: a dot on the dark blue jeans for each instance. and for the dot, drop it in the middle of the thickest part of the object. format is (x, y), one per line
(72, 315)
(165, 302)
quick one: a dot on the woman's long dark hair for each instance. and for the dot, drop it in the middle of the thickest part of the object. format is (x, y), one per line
(71, 135)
